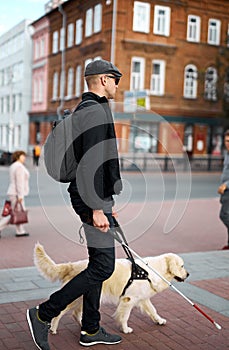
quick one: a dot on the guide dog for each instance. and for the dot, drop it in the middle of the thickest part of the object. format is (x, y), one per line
(138, 293)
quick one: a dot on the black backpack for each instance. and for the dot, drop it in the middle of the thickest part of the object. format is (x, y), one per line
(59, 157)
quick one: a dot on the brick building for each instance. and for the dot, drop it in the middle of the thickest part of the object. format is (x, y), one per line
(174, 58)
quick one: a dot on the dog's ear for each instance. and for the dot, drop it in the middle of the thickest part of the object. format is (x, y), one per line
(172, 264)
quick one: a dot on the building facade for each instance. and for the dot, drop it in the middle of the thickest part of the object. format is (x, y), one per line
(15, 87)
(174, 58)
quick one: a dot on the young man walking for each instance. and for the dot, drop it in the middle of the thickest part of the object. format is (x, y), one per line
(97, 180)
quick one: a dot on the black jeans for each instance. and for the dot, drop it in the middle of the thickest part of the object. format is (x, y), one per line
(89, 282)
(224, 212)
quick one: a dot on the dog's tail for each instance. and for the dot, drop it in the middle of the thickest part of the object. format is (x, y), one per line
(47, 267)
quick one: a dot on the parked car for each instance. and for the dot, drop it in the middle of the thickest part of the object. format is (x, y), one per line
(5, 157)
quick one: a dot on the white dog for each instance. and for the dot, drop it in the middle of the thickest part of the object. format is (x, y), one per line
(137, 294)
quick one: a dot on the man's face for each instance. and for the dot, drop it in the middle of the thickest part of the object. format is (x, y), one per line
(111, 86)
(226, 142)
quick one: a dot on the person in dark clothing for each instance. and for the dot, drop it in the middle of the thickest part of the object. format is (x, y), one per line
(97, 180)
(223, 189)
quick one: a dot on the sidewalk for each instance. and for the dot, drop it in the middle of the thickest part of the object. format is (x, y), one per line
(208, 285)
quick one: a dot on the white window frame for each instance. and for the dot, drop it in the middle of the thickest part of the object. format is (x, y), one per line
(35, 92)
(55, 42)
(161, 25)
(157, 83)
(70, 35)
(78, 81)
(70, 82)
(79, 31)
(85, 65)
(55, 86)
(214, 27)
(98, 11)
(190, 82)
(210, 87)
(40, 89)
(193, 28)
(137, 78)
(4, 135)
(141, 17)
(89, 23)
(17, 136)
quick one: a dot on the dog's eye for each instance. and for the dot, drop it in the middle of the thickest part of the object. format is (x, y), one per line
(182, 266)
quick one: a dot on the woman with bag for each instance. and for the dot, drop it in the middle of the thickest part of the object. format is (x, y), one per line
(17, 190)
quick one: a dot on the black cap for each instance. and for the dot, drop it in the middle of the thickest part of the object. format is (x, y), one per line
(102, 67)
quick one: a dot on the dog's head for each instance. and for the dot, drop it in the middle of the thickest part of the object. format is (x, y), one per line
(176, 267)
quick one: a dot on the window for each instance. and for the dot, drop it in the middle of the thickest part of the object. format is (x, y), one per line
(97, 18)
(41, 89)
(141, 20)
(55, 40)
(210, 84)
(70, 34)
(42, 47)
(190, 81)
(162, 20)
(55, 86)
(62, 39)
(88, 25)
(85, 65)
(214, 26)
(193, 28)
(79, 31)
(137, 73)
(35, 93)
(158, 77)
(78, 81)
(4, 135)
(70, 82)
(17, 136)
(37, 49)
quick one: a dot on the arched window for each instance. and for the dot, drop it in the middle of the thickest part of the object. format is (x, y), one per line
(70, 82)
(210, 84)
(190, 81)
(55, 86)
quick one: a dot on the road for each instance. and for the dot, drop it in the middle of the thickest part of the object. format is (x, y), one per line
(138, 187)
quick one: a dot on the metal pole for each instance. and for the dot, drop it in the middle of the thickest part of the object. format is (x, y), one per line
(113, 33)
(62, 78)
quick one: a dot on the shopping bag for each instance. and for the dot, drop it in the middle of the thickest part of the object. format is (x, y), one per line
(18, 214)
(6, 208)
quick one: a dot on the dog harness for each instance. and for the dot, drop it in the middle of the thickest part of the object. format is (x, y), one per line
(137, 273)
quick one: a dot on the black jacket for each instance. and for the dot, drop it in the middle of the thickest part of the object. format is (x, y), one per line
(95, 148)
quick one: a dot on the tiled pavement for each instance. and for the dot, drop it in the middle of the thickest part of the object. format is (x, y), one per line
(208, 286)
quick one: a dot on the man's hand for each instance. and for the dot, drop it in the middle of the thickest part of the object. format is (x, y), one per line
(222, 188)
(100, 220)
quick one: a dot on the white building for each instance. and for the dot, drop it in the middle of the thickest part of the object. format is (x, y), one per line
(15, 86)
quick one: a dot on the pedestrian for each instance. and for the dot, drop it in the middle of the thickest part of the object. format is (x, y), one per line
(97, 180)
(223, 189)
(36, 154)
(18, 189)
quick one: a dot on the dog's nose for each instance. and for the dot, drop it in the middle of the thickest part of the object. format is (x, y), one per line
(188, 274)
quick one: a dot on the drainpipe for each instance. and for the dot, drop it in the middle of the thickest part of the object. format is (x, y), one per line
(62, 78)
(113, 33)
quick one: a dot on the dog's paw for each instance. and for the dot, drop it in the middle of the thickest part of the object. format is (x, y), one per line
(161, 321)
(127, 330)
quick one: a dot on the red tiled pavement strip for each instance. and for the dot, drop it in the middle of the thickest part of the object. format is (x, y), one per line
(218, 286)
(185, 328)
